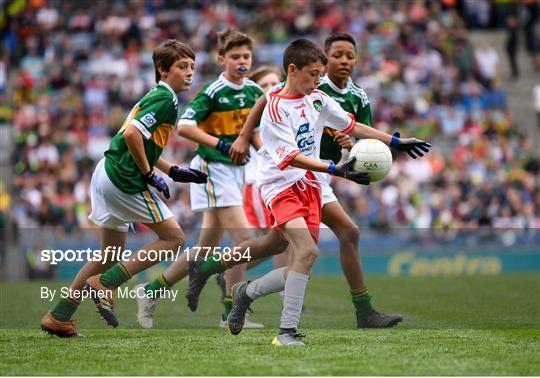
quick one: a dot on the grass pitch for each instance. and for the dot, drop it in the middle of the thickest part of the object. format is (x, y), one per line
(453, 326)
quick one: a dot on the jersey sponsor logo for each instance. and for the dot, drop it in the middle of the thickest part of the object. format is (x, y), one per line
(338, 99)
(148, 120)
(317, 104)
(223, 100)
(189, 113)
(302, 105)
(305, 139)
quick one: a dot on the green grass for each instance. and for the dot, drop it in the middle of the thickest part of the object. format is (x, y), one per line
(453, 326)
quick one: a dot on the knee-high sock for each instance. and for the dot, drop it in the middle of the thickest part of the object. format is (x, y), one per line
(271, 282)
(295, 287)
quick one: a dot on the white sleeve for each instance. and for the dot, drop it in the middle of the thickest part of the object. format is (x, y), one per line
(278, 139)
(336, 118)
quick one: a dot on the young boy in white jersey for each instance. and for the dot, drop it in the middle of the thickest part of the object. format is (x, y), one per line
(291, 130)
(341, 50)
(123, 190)
(213, 119)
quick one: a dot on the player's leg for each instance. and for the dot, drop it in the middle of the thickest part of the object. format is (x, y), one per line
(58, 320)
(170, 239)
(292, 280)
(348, 234)
(255, 249)
(239, 231)
(211, 233)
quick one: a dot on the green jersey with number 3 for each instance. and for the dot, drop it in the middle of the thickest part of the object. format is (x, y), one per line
(220, 109)
(155, 116)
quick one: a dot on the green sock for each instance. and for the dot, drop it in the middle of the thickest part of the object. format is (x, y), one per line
(157, 284)
(65, 309)
(362, 301)
(227, 303)
(212, 266)
(115, 276)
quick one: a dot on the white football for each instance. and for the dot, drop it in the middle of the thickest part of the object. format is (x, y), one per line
(373, 157)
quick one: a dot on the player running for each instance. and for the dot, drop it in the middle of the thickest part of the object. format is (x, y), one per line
(337, 83)
(291, 129)
(213, 119)
(124, 185)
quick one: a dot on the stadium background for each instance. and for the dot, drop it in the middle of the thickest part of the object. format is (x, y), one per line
(71, 71)
(451, 240)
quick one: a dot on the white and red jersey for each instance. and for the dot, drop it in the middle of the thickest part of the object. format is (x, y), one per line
(292, 125)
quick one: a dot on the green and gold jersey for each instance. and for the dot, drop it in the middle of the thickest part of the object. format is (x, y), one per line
(352, 99)
(155, 117)
(220, 109)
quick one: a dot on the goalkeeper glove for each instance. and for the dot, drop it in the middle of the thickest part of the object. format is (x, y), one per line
(410, 145)
(157, 182)
(187, 175)
(346, 170)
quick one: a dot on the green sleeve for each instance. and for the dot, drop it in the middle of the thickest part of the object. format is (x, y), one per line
(154, 111)
(363, 115)
(198, 109)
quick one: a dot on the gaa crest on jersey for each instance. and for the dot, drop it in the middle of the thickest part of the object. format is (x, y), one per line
(305, 139)
(148, 120)
(317, 104)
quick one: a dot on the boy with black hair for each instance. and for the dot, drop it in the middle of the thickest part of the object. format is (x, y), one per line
(291, 129)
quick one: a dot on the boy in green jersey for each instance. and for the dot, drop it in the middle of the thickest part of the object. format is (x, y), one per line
(124, 190)
(337, 83)
(213, 119)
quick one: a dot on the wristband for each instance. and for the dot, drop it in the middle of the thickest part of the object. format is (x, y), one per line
(331, 168)
(394, 142)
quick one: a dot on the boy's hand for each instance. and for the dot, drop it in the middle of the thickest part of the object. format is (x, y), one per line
(411, 145)
(344, 140)
(157, 182)
(239, 150)
(223, 147)
(187, 175)
(347, 171)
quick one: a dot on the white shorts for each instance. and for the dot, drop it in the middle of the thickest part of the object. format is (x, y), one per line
(326, 190)
(223, 189)
(115, 209)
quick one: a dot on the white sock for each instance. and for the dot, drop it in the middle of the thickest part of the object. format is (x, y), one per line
(271, 282)
(295, 287)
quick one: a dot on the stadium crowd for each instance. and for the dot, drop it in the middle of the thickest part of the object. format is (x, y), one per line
(75, 73)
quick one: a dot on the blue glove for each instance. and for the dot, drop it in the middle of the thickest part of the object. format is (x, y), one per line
(410, 145)
(187, 175)
(157, 182)
(223, 147)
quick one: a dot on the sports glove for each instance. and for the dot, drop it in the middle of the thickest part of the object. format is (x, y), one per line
(179, 174)
(410, 145)
(157, 182)
(224, 147)
(346, 170)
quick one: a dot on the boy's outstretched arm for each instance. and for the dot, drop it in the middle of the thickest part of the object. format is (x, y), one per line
(240, 147)
(414, 147)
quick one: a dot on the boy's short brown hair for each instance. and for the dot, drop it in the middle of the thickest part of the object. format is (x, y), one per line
(263, 71)
(231, 38)
(168, 52)
(302, 52)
